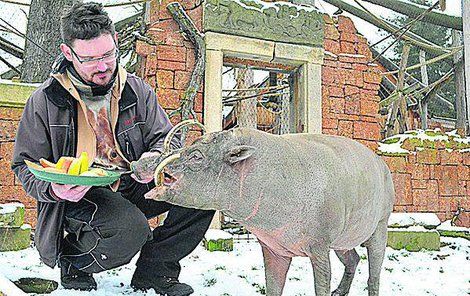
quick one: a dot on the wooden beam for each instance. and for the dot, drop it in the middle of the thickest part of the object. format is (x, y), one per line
(413, 10)
(466, 41)
(423, 106)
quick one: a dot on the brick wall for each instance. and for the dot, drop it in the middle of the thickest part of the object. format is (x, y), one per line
(10, 188)
(432, 180)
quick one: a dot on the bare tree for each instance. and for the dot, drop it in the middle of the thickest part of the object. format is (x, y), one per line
(43, 38)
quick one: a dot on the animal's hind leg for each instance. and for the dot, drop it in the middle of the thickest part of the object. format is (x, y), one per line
(276, 268)
(376, 245)
(350, 259)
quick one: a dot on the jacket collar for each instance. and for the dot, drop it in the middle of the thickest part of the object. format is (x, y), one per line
(61, 97)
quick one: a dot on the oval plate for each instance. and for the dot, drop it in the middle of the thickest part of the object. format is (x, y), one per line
(73, 180)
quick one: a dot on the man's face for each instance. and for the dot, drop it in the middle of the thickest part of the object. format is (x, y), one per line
(94, 60)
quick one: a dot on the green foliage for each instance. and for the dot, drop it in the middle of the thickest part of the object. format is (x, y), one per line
(440, 36)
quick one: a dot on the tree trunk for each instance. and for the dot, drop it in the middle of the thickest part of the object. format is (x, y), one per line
(413, 10)
(424, 78)
(43, 38)
(459, 80)
(247, 112)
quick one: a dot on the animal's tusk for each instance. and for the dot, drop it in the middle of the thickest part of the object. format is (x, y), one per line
(175, 129)
(158, 176)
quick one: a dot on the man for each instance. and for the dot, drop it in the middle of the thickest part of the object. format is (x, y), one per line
(91, 104)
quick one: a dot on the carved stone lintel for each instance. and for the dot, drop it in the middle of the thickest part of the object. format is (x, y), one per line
(283, 22)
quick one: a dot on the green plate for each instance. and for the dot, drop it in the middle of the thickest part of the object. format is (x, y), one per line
(76, 180)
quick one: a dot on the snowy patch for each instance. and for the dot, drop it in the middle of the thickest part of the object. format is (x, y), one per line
(216, 234)
(413, 219)
(447, 226)
(241, 272)
(10, 207)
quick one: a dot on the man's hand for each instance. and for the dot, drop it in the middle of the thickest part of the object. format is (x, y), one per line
(144, 168)
(73, 193)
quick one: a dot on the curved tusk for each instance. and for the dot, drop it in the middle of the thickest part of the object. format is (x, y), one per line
(158, 175)
(175, 129)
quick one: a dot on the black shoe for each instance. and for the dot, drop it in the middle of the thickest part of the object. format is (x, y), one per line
(72, 278)
(168, 286)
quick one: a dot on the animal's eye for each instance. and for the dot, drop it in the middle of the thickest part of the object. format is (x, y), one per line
(196, 155)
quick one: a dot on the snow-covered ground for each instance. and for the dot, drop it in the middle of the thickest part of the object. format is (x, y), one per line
(446, 272)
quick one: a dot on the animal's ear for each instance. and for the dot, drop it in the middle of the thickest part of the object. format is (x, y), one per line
(239, 153)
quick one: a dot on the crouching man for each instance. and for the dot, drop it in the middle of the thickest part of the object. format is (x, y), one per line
(91, 104)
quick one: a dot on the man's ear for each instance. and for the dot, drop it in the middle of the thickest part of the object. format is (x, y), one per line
(115, 38)
(239, 153)
(66, 51)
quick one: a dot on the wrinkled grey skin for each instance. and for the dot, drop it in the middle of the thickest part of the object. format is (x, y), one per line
(300, 194)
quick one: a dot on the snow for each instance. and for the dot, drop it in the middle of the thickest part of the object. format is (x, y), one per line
(413, 219)
(10, 207)
(241, 272)
(216, 234)
(413, 229)
(430, 135)
(447, 226)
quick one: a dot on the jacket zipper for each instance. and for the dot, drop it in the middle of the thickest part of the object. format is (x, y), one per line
(129, 149)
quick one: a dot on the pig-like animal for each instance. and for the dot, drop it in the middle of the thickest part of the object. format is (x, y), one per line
(300, 194)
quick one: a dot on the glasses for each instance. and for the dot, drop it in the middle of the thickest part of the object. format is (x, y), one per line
(90, 62)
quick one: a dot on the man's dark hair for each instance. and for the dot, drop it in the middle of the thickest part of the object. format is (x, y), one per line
(85, 21)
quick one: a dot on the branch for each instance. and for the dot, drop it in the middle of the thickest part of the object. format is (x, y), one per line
(414, 39)
(11, 48)
(186, 109)
(9, 65)
(413, 10)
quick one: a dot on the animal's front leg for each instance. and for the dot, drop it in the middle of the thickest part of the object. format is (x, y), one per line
(321, 271)
(276, 268)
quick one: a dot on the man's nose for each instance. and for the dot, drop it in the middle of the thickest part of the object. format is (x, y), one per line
(101, 66)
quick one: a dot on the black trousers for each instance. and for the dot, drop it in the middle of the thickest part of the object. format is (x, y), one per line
(106, 229)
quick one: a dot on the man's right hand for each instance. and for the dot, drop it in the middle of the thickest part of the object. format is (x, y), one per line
(73, 193)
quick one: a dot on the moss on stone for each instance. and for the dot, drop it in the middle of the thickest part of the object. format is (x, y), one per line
(413, 241)
(434, 133)
(13, 238)
(225, 245)
(36, 285)
(15, 218)
(391, 140)
(15, 95)
(453, 233)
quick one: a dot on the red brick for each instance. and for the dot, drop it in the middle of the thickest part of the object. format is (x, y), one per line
(168, 98)
(328, 75)
(372, 86)
(463, 220)
(373, 77)
(199, 102)
(352, 59)
(337, 105)
(329, 123)
(144, 49)
(171, 53)
(451, 158)
(402, 184)
(364, 49)
(344, 65)
(190, 60)
(7, 177)
(345, 24)
(463, 172)
(419, 171)
(11, 113)
(332, 46)
(165, 79)
(448, 181)
(167, 32)
(6, 150)
(419, 184)
(169, 65)
(335, 92)
(351, 90)
(151, 63)
(196, 16)
(182, 79)
(428, 156)
(345, 128)
(466, 158)
(347, 47)
(8, 130)
(366, 131)
(396, 164)
(350, 37)
(360, 67)
(30, 217)
(352, 105)
(329, 131)
(369, 107)
(331, 32)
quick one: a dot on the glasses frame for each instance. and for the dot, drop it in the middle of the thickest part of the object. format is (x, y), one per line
(95, 61)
